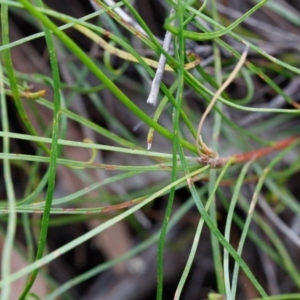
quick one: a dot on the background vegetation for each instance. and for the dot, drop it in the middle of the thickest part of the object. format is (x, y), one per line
(107, 196)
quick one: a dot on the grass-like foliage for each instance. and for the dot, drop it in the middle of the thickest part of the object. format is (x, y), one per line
(180, 136)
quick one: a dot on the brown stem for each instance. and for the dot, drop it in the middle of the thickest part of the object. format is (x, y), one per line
(247, 156)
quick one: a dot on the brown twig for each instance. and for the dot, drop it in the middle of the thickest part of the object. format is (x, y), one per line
(219, 162)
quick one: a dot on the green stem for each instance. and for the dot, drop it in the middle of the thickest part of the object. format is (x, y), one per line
(53, 156)
(176, 145)
(8, 187)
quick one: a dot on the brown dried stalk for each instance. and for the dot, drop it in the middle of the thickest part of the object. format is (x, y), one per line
(219, 162)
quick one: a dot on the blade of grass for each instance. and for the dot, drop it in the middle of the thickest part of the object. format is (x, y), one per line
(53, 156)
(216, 251)
(9, 188)
(228, 224)
(82, 165)
(62, 142)
(180, 53)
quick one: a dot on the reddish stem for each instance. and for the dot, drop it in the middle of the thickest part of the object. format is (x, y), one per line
(255, 154)
(247, 156)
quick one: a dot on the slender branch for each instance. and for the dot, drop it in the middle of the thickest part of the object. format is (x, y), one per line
(219, 162)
